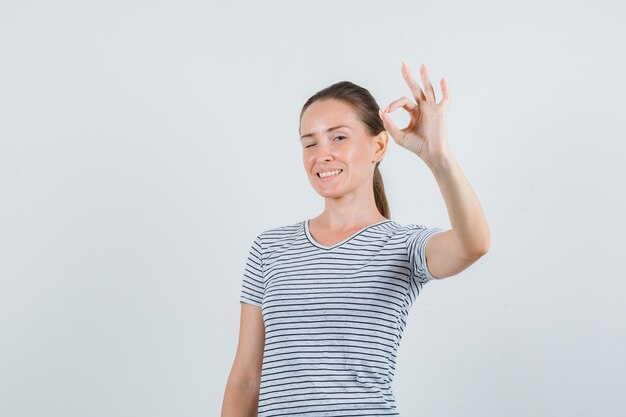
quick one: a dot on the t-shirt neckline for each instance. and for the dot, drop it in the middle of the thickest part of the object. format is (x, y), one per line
(319, 245)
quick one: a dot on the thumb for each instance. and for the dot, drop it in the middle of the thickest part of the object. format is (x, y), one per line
(390, 127)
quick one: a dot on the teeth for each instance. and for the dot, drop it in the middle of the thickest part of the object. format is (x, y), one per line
(329, 173)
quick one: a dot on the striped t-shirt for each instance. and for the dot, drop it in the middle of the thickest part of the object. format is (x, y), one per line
(333, 315)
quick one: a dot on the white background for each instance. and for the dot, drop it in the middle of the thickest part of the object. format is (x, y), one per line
(144, 144)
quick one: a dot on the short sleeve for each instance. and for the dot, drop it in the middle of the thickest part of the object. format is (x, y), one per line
(253, 285)
(417, 238)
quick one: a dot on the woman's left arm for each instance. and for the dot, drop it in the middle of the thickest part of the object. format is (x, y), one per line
(470, 230)
(452, 251)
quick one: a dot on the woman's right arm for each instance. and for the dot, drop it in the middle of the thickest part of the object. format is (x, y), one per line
(241, 398)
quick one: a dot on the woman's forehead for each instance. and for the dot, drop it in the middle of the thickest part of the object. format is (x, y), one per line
(320, 118)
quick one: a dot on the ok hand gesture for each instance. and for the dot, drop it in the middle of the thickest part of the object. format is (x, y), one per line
(426, 134)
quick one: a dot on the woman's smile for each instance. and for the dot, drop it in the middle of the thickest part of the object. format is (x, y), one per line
(329, 175)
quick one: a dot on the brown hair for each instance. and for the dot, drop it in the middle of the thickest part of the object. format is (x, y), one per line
(366, 109)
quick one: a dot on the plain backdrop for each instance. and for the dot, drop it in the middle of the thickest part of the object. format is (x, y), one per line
(144, 144)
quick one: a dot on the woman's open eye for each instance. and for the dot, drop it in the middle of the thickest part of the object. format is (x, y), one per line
(340, 137)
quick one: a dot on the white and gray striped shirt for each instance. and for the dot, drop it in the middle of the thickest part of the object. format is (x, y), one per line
(334, 316)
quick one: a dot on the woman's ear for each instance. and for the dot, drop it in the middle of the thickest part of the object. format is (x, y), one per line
(381, 141)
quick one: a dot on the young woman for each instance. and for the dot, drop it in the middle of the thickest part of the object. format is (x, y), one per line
(324, 301)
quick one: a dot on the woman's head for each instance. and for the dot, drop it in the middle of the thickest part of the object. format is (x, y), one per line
(355, 148)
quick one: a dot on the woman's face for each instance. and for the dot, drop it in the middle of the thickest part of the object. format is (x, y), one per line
(334, 139)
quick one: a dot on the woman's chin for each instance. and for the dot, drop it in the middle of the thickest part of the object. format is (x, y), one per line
(328, 193)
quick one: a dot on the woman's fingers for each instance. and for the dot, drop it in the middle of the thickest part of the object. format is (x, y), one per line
(415, 89)
(403, 102)
(445, 101)
(428, 87)
(395, 132)
(408, 105)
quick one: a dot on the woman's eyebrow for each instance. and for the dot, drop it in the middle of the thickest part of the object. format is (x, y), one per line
(327, 130)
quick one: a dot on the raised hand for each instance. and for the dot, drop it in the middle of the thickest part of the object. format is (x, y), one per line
(426, 134)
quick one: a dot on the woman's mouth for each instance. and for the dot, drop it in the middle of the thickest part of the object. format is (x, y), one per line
(329, 175)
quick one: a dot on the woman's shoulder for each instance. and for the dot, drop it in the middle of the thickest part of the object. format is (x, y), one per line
(409, 229)
(282, 232)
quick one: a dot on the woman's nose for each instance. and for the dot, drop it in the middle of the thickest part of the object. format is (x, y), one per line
(324, 156)
(323, 153)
